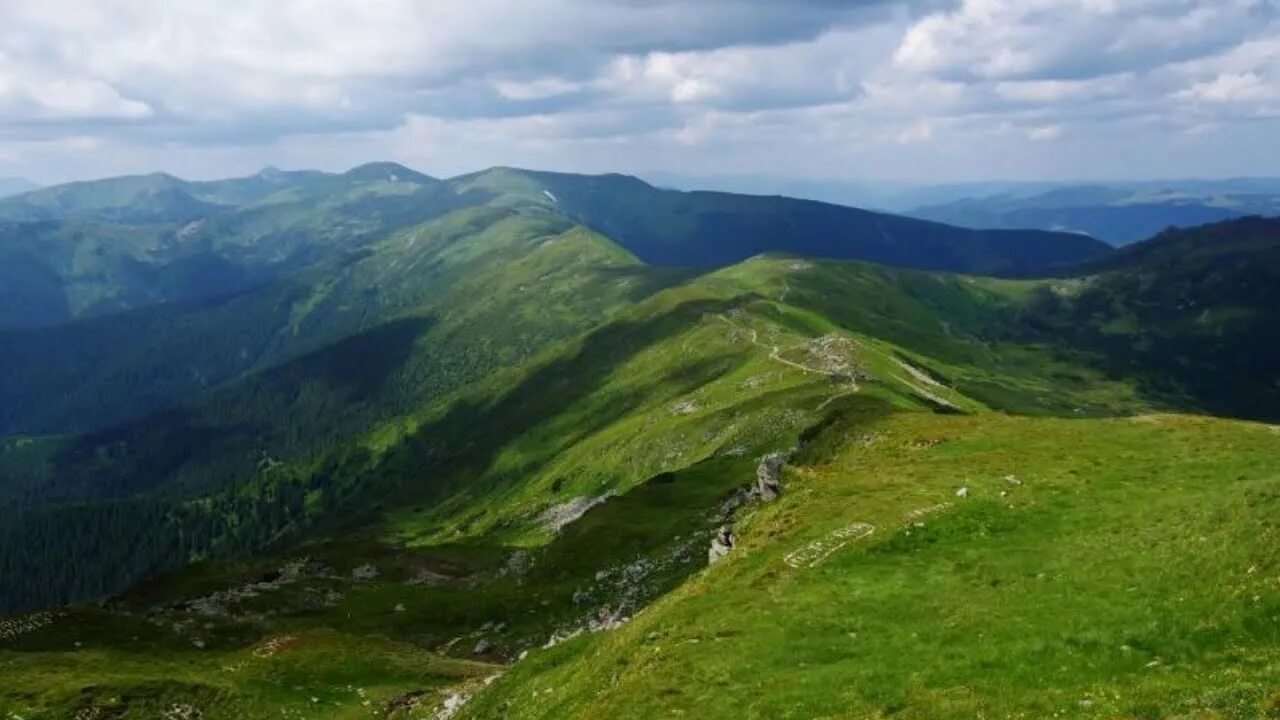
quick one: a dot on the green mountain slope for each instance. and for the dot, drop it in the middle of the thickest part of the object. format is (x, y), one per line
(567, 495)
(669, 227)
(465, 434)
(96, 248)
(1109, 582)
(985, 340)
(466, 309)
(107, 246)
(1190, 311)
(303, 414)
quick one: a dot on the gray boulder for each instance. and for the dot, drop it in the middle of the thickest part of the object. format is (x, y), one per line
(722, 543)
(769, 476)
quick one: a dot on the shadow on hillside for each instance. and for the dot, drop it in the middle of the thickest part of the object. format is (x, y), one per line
(157, 450)
(463, 444)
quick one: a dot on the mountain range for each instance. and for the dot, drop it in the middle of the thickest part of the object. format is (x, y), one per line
(542, 445)
(1117, 214)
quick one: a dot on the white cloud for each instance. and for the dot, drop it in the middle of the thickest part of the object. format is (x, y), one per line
(931, 87)
(1045, 133)
(916, 133)
(539, 89)
(35, 93)
(1230, 88)
(1065, 39)
(1055, 91)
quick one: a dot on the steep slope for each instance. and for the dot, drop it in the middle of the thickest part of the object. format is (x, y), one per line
(104, 371)
(463, 302)
(708, 229)
(1190, 311)
(299, 419)
(1109, 580)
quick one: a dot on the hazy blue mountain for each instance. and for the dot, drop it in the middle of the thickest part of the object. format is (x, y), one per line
(15, 185)
(1118, 214)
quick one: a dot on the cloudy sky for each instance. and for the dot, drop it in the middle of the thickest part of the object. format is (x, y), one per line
(934, 90)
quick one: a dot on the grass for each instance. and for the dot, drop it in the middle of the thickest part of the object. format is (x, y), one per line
(1127, 571)
(316, 675)
(1113, 582)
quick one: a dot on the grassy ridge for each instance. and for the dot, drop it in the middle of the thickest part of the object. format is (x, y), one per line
(1109, 582)
(1093, 567)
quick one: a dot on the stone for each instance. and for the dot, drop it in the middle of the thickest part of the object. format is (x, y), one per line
(482, 647)
(769, 477)
(722, 543)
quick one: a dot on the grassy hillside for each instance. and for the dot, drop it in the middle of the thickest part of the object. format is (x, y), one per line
(489, 288)
(92, 249)
(707, 229)
(496, 442)
(1083, 576)
(464, 310)
(629, 440)
(104, 371)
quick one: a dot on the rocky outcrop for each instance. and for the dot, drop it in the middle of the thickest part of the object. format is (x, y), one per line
(722, 543)
(557, 517)
(769, 477)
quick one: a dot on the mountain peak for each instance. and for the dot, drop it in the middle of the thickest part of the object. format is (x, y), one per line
(386, 171)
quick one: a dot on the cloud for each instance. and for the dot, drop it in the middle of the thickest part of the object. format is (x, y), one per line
(1045, 133)
(1229, 87)
(917, 133)
(36, 93)
(1072, 39)
(875, 87)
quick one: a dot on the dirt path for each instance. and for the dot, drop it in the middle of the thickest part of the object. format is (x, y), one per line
(775, 354)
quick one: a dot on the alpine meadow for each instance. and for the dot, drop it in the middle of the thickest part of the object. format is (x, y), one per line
(838, 370)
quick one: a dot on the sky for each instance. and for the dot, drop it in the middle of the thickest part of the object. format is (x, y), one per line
(915, 90)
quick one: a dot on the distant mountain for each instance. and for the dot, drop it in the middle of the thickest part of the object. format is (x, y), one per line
(711, 229)
(14, 186)
(92, 248)
(1117, 214)
(1192, 311)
